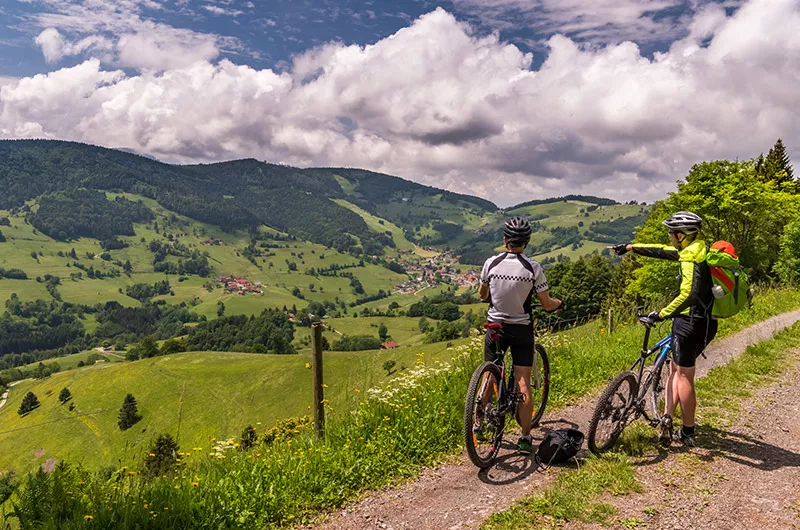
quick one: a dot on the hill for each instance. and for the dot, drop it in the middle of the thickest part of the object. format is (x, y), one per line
(564, 227)
(241, 194)
(196, 396)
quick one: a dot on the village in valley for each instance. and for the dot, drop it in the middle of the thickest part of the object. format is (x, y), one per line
(432, 271)
(240, 285)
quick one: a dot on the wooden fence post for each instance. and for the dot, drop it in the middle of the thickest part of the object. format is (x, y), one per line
(610, 321)
(319, 395)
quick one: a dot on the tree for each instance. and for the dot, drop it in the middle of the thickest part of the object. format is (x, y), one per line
(129, 413)
(220, 308)
(788, 265)
(383, 332)
(29, 403)
(2, 237)
(162, 457)
(423, 325)
(147, 347)
(171, 346)
(776, 167)
(389, 366)
(65, 395)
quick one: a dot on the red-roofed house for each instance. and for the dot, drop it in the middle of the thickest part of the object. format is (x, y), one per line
(390, 345)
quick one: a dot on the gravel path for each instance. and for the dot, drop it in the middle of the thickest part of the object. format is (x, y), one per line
(455, 495)
(5, 394)
(742, 476)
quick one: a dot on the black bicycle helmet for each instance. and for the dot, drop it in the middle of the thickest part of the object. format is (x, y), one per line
(686, 222)
(517, 229)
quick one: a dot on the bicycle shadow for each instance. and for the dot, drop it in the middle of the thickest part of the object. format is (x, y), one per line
(512, 466)
(745, 450)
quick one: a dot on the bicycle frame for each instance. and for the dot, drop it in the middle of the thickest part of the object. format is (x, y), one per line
(664, 345)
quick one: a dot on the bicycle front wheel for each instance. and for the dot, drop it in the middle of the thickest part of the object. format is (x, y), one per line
(540, 385)
(483, 420)
(612, 411)
(658, 388)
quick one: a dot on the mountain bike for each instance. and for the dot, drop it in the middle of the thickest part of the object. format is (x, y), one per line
(636, 392)
(492, 395)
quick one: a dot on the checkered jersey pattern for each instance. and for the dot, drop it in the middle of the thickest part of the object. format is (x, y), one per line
(513, 280)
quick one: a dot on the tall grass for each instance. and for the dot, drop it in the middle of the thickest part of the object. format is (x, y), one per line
(387, 434)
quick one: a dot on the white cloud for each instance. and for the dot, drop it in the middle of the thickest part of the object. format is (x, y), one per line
(598, 21)
(55, 46)
(216, 10)
(120, 36)
(438, 104)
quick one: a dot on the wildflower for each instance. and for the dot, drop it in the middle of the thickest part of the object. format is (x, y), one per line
(197, 448)
(308, 365)
(165, 508)
(220, 456)
(357, 390)
(88, 517)
(81, 483)
(324, 385)
(131, 473)
(195, 484)
(151, 454)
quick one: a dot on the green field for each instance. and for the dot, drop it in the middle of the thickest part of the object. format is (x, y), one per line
(195, 396)
(227, 259)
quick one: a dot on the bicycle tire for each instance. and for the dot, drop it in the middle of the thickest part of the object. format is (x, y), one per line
(470, 440)
(605, 405)
(544, 393)
(658, 387)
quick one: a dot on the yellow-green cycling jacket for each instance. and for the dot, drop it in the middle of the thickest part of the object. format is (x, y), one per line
(695, 298)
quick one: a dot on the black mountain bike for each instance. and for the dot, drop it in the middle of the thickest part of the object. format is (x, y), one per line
(633, 393)
(492, 395)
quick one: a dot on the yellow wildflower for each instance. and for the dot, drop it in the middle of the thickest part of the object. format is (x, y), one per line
(88, 517)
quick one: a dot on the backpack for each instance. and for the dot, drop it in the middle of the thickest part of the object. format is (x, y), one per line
(730, 287)
(558, 446)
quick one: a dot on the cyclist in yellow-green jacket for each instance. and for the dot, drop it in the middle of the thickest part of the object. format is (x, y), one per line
(690, 311)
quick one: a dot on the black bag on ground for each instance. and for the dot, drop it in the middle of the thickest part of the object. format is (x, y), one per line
(558, 446)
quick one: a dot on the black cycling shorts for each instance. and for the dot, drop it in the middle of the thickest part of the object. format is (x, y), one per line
(518, 337)
(690, 336)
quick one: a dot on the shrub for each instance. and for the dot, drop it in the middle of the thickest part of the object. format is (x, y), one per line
(162, 457)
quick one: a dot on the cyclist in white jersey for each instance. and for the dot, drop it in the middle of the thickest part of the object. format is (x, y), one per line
(509, 281)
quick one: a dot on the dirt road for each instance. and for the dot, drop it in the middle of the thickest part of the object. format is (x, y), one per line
(455, 495)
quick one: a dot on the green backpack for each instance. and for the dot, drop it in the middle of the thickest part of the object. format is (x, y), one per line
(730, 287)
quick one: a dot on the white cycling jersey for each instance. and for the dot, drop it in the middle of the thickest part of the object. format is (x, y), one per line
(512, 279)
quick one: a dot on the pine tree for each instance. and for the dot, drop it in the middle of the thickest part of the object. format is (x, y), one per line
(383, 332)
(162, 457)
(65, 395)
(776, 166)
(129, 413)
(29, 402)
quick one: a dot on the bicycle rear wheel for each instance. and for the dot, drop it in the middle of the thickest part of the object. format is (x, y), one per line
(658, 387)
(540, 385)
(612, 411)
(483, 421)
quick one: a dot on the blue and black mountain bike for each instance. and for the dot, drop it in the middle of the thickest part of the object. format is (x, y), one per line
(636, 392)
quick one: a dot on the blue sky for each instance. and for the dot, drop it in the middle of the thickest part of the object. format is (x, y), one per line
(267, 33)
(506, 99)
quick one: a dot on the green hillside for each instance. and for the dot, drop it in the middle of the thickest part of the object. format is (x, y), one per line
(562, 228)
(195, 396)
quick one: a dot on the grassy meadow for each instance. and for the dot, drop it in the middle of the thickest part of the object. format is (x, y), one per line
(198, 395)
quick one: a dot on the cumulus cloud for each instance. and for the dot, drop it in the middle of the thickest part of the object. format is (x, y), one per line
(54, 46)
(439, 104)
(120, 36)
